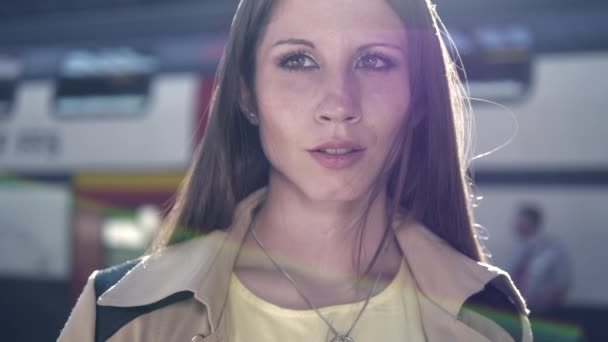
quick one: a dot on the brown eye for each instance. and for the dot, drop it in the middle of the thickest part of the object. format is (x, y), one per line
(374, 62)
(298, 61)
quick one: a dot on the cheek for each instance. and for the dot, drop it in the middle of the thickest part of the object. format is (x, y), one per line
(281, 128)
(385, 103)
(284, 103)
(285, 89)
(389, 93)
(275, 143)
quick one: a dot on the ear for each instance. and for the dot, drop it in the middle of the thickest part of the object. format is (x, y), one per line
(246, 104)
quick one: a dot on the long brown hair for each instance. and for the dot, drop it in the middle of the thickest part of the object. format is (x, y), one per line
(427, 175)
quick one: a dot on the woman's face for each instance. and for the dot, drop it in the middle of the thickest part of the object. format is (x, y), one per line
(332, 90)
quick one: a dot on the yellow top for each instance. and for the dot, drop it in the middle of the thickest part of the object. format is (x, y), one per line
(391, 315)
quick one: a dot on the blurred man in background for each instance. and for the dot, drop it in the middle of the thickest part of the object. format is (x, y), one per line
(542, 269)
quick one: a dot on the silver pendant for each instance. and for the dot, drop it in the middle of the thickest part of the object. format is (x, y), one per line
(342, 338)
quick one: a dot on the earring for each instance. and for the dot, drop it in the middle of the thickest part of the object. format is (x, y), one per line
(253, 118)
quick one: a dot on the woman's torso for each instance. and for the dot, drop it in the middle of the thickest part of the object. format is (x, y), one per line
(391, 315)
(179, 293)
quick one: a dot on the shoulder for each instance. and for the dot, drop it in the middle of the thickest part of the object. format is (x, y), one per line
(491, 306)
(467, 289)
(156, 276)
(105, 279)
(109, 319)
(150, 285)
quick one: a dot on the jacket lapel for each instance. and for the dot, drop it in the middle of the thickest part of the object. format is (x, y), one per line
(215, 280)
(444, 275)
(440, 325)
(446, 279)
(202, 266)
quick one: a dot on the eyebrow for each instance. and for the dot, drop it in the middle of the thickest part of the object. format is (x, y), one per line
(295, 41)
(310, 44)
(388, 45)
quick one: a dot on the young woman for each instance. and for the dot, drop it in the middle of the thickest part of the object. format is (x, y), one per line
(331, 187)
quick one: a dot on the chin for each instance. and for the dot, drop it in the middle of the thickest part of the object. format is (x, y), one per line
(343, 191)
(323, 188)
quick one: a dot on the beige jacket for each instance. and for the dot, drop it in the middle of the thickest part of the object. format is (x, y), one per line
(202, 266)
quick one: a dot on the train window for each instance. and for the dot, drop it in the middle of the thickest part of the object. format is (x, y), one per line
(10, 70)
(497, 62)
(104, 83)
(7, 94)
(3, 142)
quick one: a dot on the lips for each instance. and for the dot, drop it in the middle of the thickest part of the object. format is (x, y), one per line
(337, 154)
(338, 146)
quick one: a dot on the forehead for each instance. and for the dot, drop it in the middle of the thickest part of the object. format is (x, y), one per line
(331, 18)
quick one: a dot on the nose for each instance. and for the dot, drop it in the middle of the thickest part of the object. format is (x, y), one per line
(339, 102)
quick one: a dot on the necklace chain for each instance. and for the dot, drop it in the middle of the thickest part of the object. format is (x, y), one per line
(337, 336)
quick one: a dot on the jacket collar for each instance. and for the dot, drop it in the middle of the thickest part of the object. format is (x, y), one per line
(204, 265)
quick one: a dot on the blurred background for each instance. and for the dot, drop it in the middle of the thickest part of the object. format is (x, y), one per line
(102, 103)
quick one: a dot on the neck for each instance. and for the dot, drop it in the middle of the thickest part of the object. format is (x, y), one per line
(323, 235)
